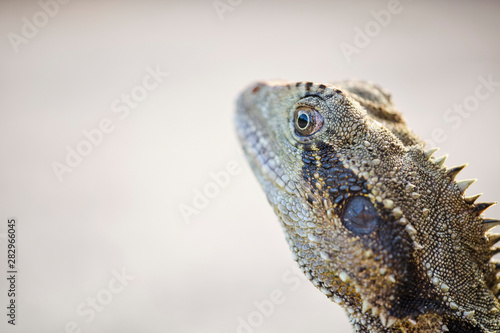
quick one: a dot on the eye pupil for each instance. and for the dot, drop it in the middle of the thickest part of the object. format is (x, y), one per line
(303, 121)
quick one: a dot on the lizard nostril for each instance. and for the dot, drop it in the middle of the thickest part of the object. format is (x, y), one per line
(360, 216)
(256, 89)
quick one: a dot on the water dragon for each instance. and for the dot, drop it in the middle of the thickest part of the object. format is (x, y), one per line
(374, 220)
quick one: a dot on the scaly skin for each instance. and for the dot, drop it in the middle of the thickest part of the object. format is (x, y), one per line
(374, 221)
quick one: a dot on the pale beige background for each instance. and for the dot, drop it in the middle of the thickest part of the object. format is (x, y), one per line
(120, 207)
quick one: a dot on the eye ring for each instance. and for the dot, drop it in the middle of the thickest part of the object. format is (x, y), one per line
(307, 121)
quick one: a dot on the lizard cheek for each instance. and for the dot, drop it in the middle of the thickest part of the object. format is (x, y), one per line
(360, 216)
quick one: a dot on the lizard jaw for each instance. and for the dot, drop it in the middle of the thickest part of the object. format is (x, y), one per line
(260, 154)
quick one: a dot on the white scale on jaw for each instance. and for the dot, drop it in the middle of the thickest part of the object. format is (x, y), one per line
(269, 164)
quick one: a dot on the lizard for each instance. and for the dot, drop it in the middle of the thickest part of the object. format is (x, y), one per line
(374, 220)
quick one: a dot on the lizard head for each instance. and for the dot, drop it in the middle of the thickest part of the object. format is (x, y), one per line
(373, 220)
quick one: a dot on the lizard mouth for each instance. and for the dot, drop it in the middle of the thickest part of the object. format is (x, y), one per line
(256, 145)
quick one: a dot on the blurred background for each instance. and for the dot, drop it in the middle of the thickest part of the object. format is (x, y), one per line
(136, 211)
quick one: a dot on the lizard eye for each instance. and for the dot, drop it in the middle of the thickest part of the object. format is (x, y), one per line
(360, 216)
(307, 121)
